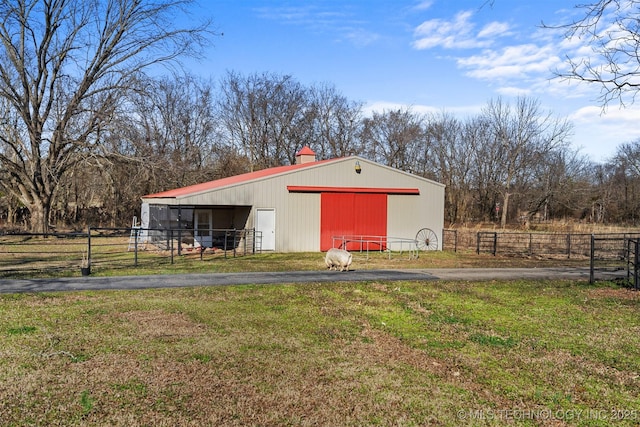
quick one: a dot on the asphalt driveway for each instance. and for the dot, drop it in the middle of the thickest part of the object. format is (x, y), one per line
(221, 279)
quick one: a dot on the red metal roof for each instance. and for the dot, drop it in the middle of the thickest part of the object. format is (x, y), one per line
(233, 180)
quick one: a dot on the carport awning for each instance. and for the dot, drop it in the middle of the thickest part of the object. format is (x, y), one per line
(376, 190)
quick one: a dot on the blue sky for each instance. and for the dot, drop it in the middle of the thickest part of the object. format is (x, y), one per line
(433, 55)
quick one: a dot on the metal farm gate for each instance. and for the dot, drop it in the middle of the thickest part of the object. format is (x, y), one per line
(615, 253)
(609, 254)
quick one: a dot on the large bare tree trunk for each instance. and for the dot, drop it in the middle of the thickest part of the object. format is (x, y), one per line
(64, 67)
(39, 212)
(505, 209)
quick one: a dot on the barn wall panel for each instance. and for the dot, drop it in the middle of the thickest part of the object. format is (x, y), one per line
(298, 215)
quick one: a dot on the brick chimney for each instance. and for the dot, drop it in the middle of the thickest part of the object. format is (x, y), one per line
(305, 155)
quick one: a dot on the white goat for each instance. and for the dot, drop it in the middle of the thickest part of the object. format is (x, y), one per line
(337, 258)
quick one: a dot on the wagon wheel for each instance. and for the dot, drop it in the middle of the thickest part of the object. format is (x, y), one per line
(427, 240)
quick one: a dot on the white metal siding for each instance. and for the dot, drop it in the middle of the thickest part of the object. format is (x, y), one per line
(298, 214)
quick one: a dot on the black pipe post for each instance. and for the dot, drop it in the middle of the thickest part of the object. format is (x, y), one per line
(135, 247)
(591, 261)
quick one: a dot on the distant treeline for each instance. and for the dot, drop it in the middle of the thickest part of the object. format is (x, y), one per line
(512, 162)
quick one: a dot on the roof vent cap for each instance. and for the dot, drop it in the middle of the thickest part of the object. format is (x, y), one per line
(305, 155)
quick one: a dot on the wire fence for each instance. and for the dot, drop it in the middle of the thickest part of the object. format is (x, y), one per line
(27, 253)
(66, 254)
(565, 245)
(605, 252)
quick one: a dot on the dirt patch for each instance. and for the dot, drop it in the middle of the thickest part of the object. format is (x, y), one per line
(615, 293)
(160, 324)
(382, 347)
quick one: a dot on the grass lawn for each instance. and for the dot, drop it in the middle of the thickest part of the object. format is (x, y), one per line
(59, 258)
(347, 354)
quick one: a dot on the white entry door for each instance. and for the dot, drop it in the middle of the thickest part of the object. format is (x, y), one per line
(202, 229)
(266, 225)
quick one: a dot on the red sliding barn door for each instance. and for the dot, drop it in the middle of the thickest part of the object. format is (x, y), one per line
(352, 214)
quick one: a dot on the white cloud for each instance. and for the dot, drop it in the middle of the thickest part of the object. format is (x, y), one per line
(494, 29)
(360, 37)
(423, 5)
(294, 15)
(510, 62)
(457, 33)
(513, 91)
(612, 116)
(562, 89)
(598, 132)
(381, 106)
(342, 25)
(523, 68)
(454, 34)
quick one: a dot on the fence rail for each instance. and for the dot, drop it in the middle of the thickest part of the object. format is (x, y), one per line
(567, 245)
(534, 244)
(605, 252)
(27, 253)
(23, 254)
(366, 244)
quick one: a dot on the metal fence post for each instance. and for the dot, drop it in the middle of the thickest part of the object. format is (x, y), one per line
(226, 235)
(627, 257)
(235, 242)
(135, 248)
(89, 246)
(170, 234)
(636, 269)
(244, 243)
(255, 241)
(455, 241)
(592, 260)
(495, 243)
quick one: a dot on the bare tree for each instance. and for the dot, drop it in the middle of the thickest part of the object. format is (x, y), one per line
(562, 185)
(521, 137)
(446, 159)
(263, 116)
(624, 182)
(393, 138)
(173, 129)
(483, 153)
(64, 66)
(335, 122)
(610, 29)
(163, 136)
(629, 154)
